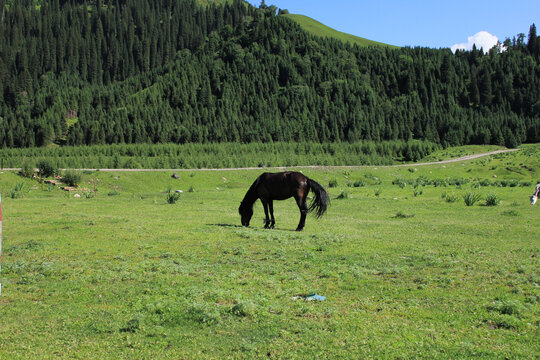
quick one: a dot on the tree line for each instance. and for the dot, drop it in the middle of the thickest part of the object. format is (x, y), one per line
(164, 71)
(224, 155)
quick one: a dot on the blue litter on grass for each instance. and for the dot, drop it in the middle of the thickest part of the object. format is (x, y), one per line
(314, 296)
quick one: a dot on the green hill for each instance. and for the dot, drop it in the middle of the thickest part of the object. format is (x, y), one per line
(183, 73)
(316, 28)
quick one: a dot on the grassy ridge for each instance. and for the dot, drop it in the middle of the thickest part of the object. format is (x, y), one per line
(316, 28)
(215, 2)
(126, 275)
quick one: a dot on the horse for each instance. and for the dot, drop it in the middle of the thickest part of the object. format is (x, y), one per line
(280, 186)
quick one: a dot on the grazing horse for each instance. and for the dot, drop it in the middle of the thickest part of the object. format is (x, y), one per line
(535, 195)
(280, 186)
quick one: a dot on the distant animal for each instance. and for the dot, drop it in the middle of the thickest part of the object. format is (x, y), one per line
(535, 195)
(280, 186)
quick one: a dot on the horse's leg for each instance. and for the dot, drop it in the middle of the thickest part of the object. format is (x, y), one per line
(267, 219)
(271, 206)
(301, 202)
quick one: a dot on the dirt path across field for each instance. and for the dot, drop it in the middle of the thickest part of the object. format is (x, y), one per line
(463, 158)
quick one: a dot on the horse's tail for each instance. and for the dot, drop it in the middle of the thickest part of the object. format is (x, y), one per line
(320, 201)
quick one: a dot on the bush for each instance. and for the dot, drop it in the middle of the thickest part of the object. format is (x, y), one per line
(450, 198)
(343, 195)
(27, 170)
(492, 200)
(72, 177)
(359, 183)
(471, 198)
(45, 168)
(484, 182)
(332, 183)
(172, 197)
(439, 182)
(399, 182)
(18, 191)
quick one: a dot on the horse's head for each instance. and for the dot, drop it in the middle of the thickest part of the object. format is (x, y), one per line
(246, 212)
(534, 198)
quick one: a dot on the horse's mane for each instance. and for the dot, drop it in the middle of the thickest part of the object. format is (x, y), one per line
(250, 197)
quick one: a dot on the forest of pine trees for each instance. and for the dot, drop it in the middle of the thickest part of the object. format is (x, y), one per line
(171, 71)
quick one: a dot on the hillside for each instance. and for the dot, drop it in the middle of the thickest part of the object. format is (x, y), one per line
(316, 28)
(159, 72)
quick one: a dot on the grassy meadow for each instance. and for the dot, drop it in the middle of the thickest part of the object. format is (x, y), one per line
(316, 28)
(407, 268)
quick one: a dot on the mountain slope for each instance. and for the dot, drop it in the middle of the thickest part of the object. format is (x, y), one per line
(178, 72)
(316, 28)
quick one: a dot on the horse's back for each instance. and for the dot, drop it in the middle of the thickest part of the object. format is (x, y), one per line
(283, 185)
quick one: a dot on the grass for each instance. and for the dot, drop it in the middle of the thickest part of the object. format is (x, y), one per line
(459, 151)
(316, 28)
(130, 276)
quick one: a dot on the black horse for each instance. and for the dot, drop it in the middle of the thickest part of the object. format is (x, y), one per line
(280, 186)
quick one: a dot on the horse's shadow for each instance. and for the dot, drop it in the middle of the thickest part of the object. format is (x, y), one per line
(226, 225)
(243, 227)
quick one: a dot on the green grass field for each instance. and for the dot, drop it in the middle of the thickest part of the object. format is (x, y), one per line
(408, 270)
(316, 28)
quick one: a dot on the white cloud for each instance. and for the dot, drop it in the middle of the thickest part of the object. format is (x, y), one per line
(482, 39)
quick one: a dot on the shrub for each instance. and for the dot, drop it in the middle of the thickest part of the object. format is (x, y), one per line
(18, 191)
(471, 198)
(343, 195)
(399, 182)
(27, 170)
(450, 198)
(45, 168)
(72, 177)
(439, 182)
(492, 200)
(172, 197)
(88, 194)
(484, 182)
(333, 183)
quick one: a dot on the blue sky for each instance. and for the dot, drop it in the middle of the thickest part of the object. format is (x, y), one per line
(425, 23)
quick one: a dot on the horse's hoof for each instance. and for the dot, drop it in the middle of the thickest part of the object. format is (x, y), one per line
(299, 229)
